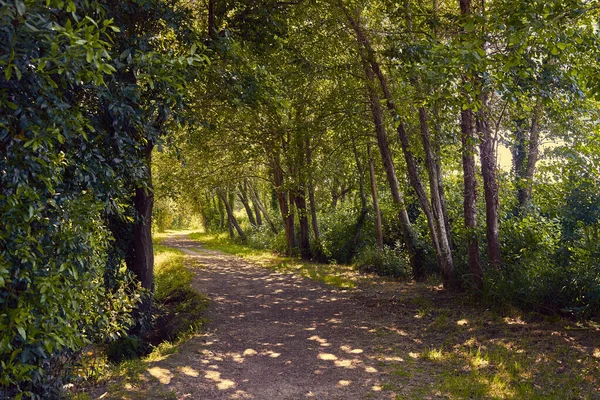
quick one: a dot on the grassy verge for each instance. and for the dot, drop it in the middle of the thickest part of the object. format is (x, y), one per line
(179, 311)
(340, 276)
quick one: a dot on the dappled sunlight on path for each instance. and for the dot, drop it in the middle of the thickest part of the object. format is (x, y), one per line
(272, 336)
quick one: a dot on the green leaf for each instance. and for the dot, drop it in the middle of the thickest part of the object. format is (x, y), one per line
(22, 332)
(20, 7)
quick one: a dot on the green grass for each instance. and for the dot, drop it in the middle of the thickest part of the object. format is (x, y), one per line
(180, 311)
(340, 276)
(180, 306)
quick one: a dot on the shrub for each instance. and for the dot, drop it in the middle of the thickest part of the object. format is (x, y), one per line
(386, 262)
(535, 277)
(338, 228)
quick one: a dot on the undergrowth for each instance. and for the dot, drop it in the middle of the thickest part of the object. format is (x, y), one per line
(178, 313)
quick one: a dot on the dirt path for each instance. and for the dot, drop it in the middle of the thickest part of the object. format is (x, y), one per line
(277, 336)
(272, 336)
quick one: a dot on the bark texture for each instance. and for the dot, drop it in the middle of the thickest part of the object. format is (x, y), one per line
(470, 195)
(375, 196)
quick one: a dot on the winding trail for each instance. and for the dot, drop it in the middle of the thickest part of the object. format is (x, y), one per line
(271, 336)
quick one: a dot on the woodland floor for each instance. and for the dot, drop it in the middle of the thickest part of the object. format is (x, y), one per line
(278, 336)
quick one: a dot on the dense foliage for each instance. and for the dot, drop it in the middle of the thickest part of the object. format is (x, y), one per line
(79, 106)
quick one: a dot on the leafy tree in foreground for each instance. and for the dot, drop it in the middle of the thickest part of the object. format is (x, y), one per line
(79, 116)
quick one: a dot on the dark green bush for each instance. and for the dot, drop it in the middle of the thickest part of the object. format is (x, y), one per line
(338, 230)
(536, 277)
(386, 262)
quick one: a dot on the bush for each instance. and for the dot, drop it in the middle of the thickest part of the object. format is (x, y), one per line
(261, 238)
(536, 278)
(386, 262)
(338, 227)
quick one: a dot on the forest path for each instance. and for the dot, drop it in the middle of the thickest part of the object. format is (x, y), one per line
(272, 336)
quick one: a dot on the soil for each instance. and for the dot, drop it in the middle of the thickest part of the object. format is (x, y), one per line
(272, 336)
(280, 336)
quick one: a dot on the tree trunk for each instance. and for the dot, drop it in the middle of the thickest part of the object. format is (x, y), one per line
(445, 262)
(526, 184)
(436, 200)
(143, 262)
(221, 210)
(311, 191)
(488, 159)
(211, 19)
(416, 258)
(286, 213)
(470, 196)
(140, 256)
(490, 184)
(378, 224)
(230, 216)
(363, 199)
(258, 214)
(438, 165)
(300, 201)
(243, 196)
(261, 207)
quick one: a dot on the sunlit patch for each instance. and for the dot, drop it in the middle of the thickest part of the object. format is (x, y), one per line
(238, 358)
(414, 355)
(344, 363)
(596, 353)
(434, 354)
(394, 359)
(370, 370)
(334, 320)
(163, 375)
(514, 321)
(327, 357)
(273, 355)
(310, 329)
(189, 371)
(376, 388)
(462, 322)
(344, 383)
(479, 362)
(222, 384)
(349, 350)
(321, 341)
(249, 352)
